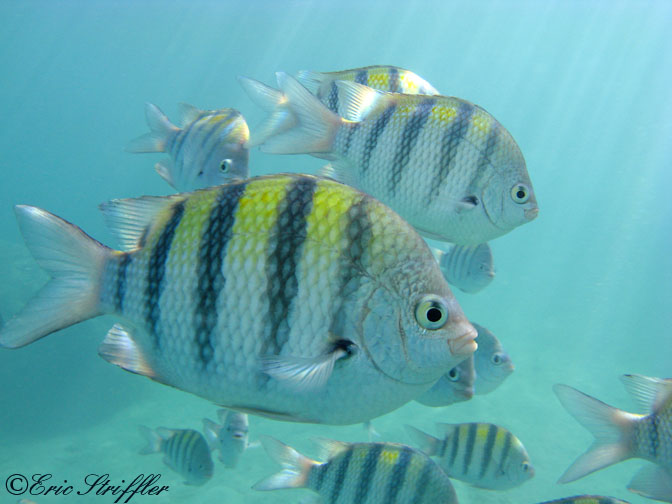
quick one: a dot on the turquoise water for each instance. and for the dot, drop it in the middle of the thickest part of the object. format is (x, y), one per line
(582, 294)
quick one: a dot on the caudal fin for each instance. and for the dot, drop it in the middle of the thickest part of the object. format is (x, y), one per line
(75, 262)
(612, 428)
(162, 130)
(295, 467)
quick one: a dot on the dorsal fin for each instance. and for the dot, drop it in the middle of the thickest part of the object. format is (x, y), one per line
(650, 393)
(329, 448)
(357, 101)
(188, 114)
(130, 219)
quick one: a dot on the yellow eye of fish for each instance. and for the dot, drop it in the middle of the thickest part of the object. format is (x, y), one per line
(454, 374)
(225, 165)
(431, 313)
(520, 193)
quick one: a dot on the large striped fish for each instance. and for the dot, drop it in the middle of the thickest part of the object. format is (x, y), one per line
(484, 455)
(620, 435)
(208, 149)
(363, 473)
(444, 164)
(289, 296)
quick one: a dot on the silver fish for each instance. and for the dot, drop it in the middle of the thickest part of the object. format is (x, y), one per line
(455, 386)
(209, 149)
(288, 296)
(366, 473)
(470, 268)
(620, 435)
(586, 499)
(444, 164)
(230, 438)
(185, 452)
(493, 365)
(484, 455)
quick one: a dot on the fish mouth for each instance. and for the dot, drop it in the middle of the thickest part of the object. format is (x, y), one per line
(531, 213)
(464, 345)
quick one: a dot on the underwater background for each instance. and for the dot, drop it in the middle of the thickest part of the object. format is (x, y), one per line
(582, 294)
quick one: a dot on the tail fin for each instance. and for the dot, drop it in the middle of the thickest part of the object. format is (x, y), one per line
(425, 442)
(653, 482)
(153, 438)
(161, 132)
(295, 467)
(315, 128)
(612, 428)
(75, 262)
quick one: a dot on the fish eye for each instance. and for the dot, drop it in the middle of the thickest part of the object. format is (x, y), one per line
(431, 312)
(225, 165)
(497, 359)
(525, 466)
(520, 193)
(454, 374)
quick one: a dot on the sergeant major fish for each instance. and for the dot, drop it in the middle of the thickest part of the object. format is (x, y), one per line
(289, 296)
(493, 365)
(455, 386)
(444, 164)
(365, 473)
(230, 438)
(468, 267)
(620, 435)
(484, 455)
(209, 149)
(185, 452)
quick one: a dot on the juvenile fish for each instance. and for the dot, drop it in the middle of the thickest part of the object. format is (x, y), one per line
(230, 438)
(207, 150)
(470, 268)
(586, 499)
(365, 473)
(620, 435)
(444, 164)
(493, 365)
(185, 452)
(455, 386)
(288, 296)
(484, 455)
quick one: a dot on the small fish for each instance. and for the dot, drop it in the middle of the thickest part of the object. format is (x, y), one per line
(445, 165)
(289, 296)
(493, 365)
(484, 455)
(25, 501)
(586, 499)
(620, 435)
(208, 150)
(366, 473)
(230, 438)
(455, 386)
(470, 268)
(185, 451)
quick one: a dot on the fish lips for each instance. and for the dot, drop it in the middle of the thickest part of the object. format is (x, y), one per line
(464, 345)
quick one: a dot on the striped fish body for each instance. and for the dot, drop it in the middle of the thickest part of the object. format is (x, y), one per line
(366, 473)
(456, 385)
(290, 296)
(586, 499)
(468, 267)
(493, 365)
(484, 455)
(383, 78)
(185, 451)
(209, 149)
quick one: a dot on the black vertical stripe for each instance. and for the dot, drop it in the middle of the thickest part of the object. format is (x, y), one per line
(332, 99)
(362, 77)
(487, 451)
(120, 291)
(408, 139)
(423, 481)
(211, 280)
(393, 80)
(157, 269)
(352, 129)
(341, 470)
(653, 435)
(368, 472)
(454, 445)
(444, 445)
(375, 132)
(398, 476)
(469, 449)
(319, 471)
(285, 247)
(450, 143)
(505, 452)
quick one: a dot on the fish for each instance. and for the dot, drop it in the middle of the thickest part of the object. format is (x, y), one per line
(288, 296)
(208, 149)
(620, 435)
(586, 499)
(25, 501)
(493, 365)
(230, 438)
(185, 451)
(481, 454)
(444, 164)
(470, 268)
(366, 473)
(456, 385)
